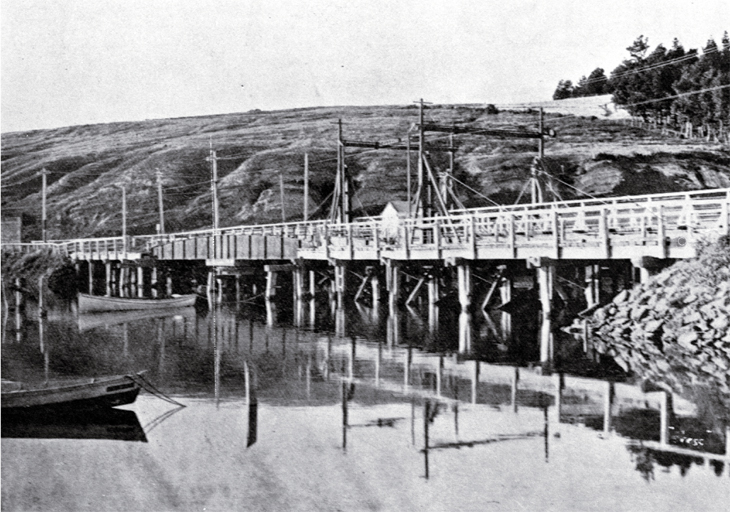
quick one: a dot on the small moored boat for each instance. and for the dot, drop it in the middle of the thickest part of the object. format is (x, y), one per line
(84, 394)
(92, 303)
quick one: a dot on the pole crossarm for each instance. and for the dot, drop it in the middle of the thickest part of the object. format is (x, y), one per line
(431, 127)
(396, 146)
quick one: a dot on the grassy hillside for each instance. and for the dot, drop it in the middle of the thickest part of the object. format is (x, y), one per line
(88, 163)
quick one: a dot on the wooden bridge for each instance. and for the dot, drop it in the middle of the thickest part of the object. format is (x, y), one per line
(598, 246)
(659, 226)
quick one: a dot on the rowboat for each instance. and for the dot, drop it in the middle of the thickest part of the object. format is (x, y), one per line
(86, 394)
(91, 303)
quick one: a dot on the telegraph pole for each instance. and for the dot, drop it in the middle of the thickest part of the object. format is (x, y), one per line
(213, 159)
(159, 197)
(44, 173)
(535, 187)
(124, 220)
(422, 182)
(281, 194)
(306, 187)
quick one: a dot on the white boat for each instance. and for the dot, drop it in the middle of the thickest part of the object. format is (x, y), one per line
(91, 303)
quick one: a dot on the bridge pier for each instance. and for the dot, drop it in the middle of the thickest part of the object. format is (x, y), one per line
(465, 332)
(299, 279)
(546, 284)
(393, 283)
(463, 272)
(505, 294)
(374, 285)
(592, 285)
(140, 282)
(648, 266)
(340, 283)
(90, 289)
(109, 277)
(271, 278)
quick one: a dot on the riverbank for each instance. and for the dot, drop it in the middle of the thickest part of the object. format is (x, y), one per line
(30, 267)
(674, 330)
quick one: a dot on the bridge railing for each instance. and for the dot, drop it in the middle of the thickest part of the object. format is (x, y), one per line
(647, 220)
(587, 223)
(299, 230)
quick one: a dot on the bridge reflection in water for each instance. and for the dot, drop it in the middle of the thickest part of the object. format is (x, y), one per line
(378, 388)
(367, 357)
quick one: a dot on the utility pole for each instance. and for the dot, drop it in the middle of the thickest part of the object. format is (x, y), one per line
(159, 197)
(124, 220)
(44, 173)
(213, 159)
(408, 172)
(306, 187)
(281, 194)
(422, 182)
(535, 192)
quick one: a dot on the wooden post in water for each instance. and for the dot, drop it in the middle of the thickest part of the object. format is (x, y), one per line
(475, 382)
(545, 276)
(465, 337)
(41, 297)
(505, 293)
(345, 392)
(108, 276)
(154, 284)
(395, 284)
(91, 277)
(607, 405)
(515, 385)
(140, 282)
(463, 270)
(665, 410)
(426, 422)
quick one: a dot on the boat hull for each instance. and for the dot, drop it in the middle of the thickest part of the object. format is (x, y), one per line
(93, 303)
(97, 394)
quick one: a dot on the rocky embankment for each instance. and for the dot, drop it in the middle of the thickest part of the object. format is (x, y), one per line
(56, 269)
(674, 330)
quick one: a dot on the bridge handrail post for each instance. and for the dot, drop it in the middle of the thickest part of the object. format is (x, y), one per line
(511, 234)
(327, 240)
(350, 248)
(473, 229)
(437, 237)
(605, 232)
(556, 234)
(661, 232)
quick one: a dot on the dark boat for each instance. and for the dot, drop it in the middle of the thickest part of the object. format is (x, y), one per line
(86, 394)
(110, 424)
(92, 303)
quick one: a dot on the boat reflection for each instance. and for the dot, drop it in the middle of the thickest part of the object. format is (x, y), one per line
(111, 424)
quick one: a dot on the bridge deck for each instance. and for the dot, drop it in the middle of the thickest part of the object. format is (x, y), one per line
(660, 226)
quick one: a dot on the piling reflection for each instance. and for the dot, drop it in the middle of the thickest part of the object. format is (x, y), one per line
(461, 390)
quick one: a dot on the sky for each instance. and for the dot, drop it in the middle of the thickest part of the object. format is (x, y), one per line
(70, 62)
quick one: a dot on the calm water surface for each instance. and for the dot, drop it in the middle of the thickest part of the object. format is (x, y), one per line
(315, 409)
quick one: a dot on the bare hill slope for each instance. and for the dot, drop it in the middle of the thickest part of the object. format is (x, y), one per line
(86, 165)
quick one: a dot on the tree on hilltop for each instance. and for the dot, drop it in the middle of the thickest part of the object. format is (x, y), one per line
(564, 90)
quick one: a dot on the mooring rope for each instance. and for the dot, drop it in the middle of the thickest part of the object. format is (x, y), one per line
(144, 383)
(159, 419)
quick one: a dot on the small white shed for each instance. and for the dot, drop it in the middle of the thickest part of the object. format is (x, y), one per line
(391, 218)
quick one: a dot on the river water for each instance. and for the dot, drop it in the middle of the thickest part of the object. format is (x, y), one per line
(315, 409)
